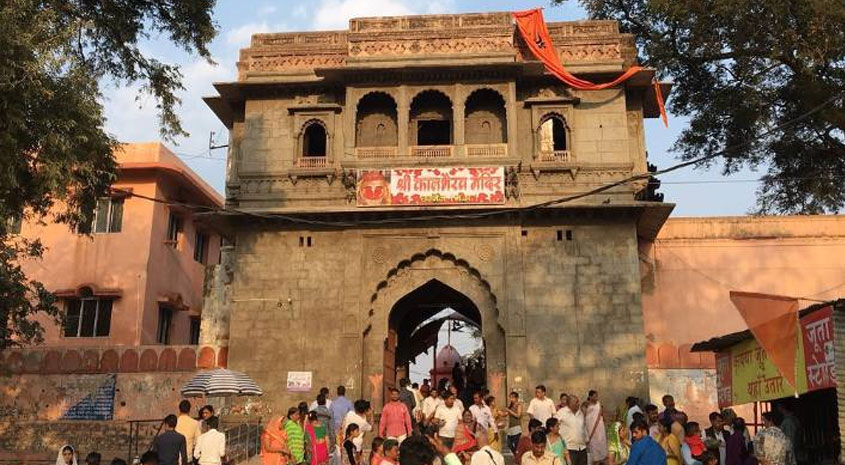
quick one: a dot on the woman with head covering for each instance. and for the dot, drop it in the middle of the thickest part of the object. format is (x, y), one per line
(295, 437)
(67, 456)
(618, 443)
(318, 439)
(274, 450)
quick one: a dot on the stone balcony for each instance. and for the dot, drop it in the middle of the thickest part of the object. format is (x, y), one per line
(423, 152)
(375, 153)
(311, 162)
(487, 150)
(556, 156)
(427, 152)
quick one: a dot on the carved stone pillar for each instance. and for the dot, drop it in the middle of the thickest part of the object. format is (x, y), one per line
(349, 114)
(402, 118)
(458, 119)
(511, 120)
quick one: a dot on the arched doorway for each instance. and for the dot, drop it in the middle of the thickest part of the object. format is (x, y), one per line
(428, 279)
(413, 327)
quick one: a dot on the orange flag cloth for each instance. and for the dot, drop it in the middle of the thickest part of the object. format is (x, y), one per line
(534, 32)
(774, 322)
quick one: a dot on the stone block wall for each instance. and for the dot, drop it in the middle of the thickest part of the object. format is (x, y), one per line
(558, 311)
(583, 317)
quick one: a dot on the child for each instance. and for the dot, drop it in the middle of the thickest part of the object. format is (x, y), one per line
(377, 451)
(390, 452)
(349, 454)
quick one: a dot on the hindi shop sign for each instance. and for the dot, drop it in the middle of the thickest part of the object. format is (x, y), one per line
(482, 185)
(817, 329)
(745, 374)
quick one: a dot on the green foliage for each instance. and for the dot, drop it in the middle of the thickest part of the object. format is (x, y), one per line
(55, 157)
(742, 67)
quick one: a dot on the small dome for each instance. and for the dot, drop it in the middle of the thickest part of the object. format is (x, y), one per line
(448, 357)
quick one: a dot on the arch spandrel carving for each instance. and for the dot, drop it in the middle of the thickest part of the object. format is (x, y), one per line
(446, 267)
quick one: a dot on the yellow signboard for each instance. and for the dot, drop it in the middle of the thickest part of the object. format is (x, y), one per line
(756, 378)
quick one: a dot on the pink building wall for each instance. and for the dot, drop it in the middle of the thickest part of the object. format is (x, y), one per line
(688, 271)
(136, 263)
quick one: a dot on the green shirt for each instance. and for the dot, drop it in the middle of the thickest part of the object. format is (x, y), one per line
(296, 440)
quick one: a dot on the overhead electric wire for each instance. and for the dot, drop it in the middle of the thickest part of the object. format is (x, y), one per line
(502, 211)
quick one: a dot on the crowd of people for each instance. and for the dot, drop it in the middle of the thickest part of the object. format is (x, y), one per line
(422, 421)
(419, 423)
(184, 440)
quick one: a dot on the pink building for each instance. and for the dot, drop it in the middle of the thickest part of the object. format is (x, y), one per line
(137, 279)
(689, 270)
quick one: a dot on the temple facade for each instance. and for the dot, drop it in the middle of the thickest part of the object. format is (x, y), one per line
(381, 174)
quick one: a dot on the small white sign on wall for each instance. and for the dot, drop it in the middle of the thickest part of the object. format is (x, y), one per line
(299, 381)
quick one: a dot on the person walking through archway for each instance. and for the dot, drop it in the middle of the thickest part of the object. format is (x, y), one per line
(395, 422)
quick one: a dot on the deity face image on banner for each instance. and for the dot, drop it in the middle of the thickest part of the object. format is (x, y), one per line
(374, 188)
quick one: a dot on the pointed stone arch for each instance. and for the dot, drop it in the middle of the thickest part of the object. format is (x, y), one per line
(407, 276)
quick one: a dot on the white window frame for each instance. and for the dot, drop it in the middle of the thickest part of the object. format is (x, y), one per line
(109, 215)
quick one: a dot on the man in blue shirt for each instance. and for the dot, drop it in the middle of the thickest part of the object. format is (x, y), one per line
(339, 408)
(646, 451)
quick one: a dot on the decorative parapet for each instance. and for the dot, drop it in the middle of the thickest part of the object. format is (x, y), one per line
(450, 37)
(111, 359)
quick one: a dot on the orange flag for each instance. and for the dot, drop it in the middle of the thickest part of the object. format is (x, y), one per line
(532, 27)
(774, 322)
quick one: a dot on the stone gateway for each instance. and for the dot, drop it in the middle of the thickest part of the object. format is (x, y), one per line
(381, 174)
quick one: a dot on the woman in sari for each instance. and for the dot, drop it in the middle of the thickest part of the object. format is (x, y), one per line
(554, 441)
(669, 442)
(295, 437)
(318, 438)
(618, 444)
(274, 450)
(596, 432)
(494, 440)
(465, 441)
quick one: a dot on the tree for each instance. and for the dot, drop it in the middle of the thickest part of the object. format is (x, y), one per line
(743, 67)
(57, 159)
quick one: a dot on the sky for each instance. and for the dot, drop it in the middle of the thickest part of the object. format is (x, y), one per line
(131, 118)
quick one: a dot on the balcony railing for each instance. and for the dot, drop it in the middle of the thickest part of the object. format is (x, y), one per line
(311, 162)
(375, 153)
(431, 151)
(487, 150)
(557, 156)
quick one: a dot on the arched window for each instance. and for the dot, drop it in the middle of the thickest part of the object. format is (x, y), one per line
(375, 121)
(486, 118)
(553, 135)
(314, 140)
(431, 119)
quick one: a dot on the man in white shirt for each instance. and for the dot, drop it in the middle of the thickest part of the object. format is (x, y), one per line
(447, 416)
(481, 413)
(541, 407)
(486, 455)
(361, 415)
(573, 432)
(324, 391)
(430, 404)
(211, 445)
(633, 408)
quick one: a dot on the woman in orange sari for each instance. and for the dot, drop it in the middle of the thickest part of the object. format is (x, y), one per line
(274, 450)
